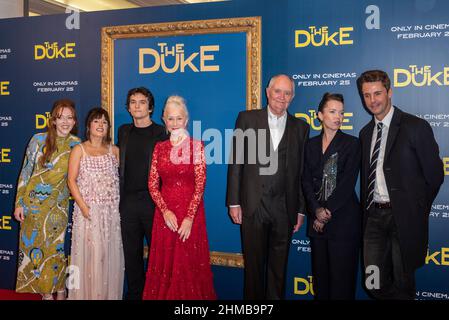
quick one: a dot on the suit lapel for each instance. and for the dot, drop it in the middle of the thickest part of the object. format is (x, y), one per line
(290, 132)
(333, 146)
(262, 123)
(393, 131)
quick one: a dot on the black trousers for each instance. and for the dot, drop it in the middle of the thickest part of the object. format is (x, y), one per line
(382, 250)
(266, 240)
(137, 212)
(334, 268)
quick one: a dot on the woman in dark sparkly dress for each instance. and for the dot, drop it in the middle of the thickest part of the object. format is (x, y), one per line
(331, 168)
(179, 262)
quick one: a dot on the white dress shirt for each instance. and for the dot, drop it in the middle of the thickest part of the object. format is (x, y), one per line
(277, 127)
(380, 187)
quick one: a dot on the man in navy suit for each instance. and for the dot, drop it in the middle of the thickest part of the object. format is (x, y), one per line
(400, 177)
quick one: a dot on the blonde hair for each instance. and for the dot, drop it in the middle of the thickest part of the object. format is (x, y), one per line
(177, 101)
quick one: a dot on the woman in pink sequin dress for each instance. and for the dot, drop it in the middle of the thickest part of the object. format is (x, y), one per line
(96, 269)
(179, 261)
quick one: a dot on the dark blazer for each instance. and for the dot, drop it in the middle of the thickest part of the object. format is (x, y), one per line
(245, 184)
(123, 135)
(346, 221)
(413, 173)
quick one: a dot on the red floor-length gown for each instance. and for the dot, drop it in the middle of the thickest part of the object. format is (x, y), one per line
(176, 269)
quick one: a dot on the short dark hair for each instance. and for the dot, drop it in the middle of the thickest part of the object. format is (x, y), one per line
(97, 113)
(328, 97)
(373, 76)
(146, 92)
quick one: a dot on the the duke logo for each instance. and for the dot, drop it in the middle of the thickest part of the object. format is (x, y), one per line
(173, 59)
(4, 91)
(420, 77)
(5, 155)
(303, 286)
(5, 223)
(446, 166)
(54, 51)
(42, 120)
(322, 36)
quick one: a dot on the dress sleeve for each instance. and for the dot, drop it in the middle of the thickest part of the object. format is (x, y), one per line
(154, 181)
(199, 165)
(28, 165)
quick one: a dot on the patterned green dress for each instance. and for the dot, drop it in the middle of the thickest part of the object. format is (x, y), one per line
(44, 195)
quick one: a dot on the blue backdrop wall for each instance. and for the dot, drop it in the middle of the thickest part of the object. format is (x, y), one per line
(323, 45)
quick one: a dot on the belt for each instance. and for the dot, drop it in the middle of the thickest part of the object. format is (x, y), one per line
(384, 205)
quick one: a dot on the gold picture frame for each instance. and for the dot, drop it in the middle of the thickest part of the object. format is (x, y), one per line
(251, 26)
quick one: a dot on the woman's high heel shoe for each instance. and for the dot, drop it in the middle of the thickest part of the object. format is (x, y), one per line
(47, 296)
(60, 295)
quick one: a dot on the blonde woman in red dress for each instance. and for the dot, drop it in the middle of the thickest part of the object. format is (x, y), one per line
(179, 261)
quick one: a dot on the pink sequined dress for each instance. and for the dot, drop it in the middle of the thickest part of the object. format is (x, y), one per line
(176, 269)
(97, 250)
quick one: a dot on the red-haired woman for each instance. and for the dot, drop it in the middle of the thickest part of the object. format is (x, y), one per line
(42, 205)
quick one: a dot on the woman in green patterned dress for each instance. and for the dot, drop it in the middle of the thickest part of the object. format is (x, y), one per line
(42, 203)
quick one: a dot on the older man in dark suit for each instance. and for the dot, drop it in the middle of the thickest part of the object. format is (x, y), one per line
(400, 177)
(264, 193)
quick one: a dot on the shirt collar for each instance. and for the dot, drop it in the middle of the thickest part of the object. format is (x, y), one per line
(272, 116)
(387, 120)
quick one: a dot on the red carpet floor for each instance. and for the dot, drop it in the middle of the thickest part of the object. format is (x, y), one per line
(12, 295)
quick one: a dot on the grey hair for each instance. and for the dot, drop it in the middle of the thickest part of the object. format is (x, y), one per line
(274, 78)
(178, 101)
